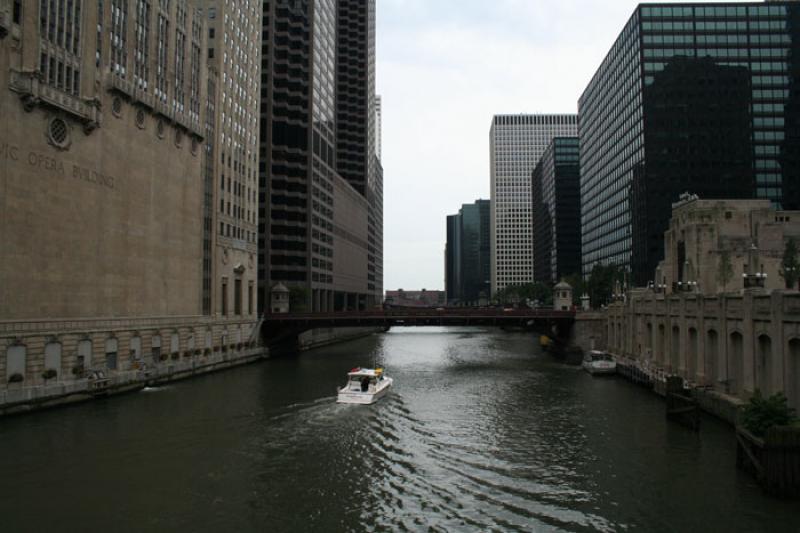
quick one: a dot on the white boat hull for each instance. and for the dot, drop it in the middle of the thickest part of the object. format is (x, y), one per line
(364, 398)
(600, 367)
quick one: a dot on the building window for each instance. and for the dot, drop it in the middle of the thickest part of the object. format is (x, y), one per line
(17, 11)
(224, 297)
(118, 36)
(15, 363)
(237, 297)
(112, 347)
(52, 358)
(155, 347)
(250, 298)
(60, 26)
(141, 72)
(163, 53)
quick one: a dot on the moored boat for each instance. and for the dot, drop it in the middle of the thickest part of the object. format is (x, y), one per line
(364, 386)
(598, 362)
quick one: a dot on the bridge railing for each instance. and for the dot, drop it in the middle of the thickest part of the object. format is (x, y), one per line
(427, 313)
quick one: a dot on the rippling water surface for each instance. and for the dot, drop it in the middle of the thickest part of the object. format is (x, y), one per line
(481, 432)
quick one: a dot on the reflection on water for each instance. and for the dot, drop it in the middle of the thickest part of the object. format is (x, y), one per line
(481, 432)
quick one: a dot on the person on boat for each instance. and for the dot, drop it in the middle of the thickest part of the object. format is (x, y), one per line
(364, 384)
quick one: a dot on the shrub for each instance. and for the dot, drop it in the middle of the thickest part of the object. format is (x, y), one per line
(77, 370)
(16, 378)
(762, 413)
(50, 373)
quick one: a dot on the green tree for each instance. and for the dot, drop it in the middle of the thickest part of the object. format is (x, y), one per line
(790, 266)
(762, 413)
(725, 270)
(298, 299)
(578, 287)
(600, 285)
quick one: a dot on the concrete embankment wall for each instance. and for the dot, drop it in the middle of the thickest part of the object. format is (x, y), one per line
(27, 399)
(317, 338)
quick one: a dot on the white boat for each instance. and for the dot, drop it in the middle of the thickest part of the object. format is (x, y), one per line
(597, 362)
(364, 386)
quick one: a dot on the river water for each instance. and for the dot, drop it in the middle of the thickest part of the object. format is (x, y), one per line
(481, 432)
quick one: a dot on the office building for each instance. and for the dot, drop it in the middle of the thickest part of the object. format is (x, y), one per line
(468, 255)
(452, 260)
(106, 270)
(320, 182)
(234, 46)
(695, 98)
(423, 298)
(557, 212)
(517, 142)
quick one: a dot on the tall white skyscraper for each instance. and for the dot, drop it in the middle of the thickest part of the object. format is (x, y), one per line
(517, 143)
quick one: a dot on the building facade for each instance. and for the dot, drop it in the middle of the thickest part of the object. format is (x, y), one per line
(691, 97)
(468, 255)
(517, 142)
(452, 260)
(233, 56)
(423, 298)
(317, 150)
(719, 246)
(106, 203)
(557, 212)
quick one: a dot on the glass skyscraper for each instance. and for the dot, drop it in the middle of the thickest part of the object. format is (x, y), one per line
(467, 254)
(699, 98)
(557, 212)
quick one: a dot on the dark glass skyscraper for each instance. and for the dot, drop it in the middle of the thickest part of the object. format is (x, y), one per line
(468, 254)
(320, 190)
(557, 212)
(691, 97)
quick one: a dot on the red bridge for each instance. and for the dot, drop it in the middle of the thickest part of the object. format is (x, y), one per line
(546, 321)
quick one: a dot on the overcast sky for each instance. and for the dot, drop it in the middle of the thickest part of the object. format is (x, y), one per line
(445, 67)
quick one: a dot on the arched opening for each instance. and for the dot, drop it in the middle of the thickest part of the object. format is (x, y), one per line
(735, 364)
(691, 360)
(84, 361)
(793, 375)
(651, 345)
(52, 360)
(712, 357)
(112, 350)
(610, 335)
(662, 341)
(15, 363)
(136, 350)
(764, 364)
(174, 344)
(155, 348)
(675, 350)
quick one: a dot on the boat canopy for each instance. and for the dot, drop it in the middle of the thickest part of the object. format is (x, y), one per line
(366, 372)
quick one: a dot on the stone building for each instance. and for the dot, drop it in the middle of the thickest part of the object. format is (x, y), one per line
(750, 236)
(234, 58)
(728, 337)
(106, 210)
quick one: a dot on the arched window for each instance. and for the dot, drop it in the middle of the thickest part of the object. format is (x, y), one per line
(735, 364)
(691, 360)
(174, 343)
(675, 350)
(16, 356)
(712, 357)
(764, 364)
(84, 354)
(155, 348)
(793, 375)
(52, 359)
(112, 349)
